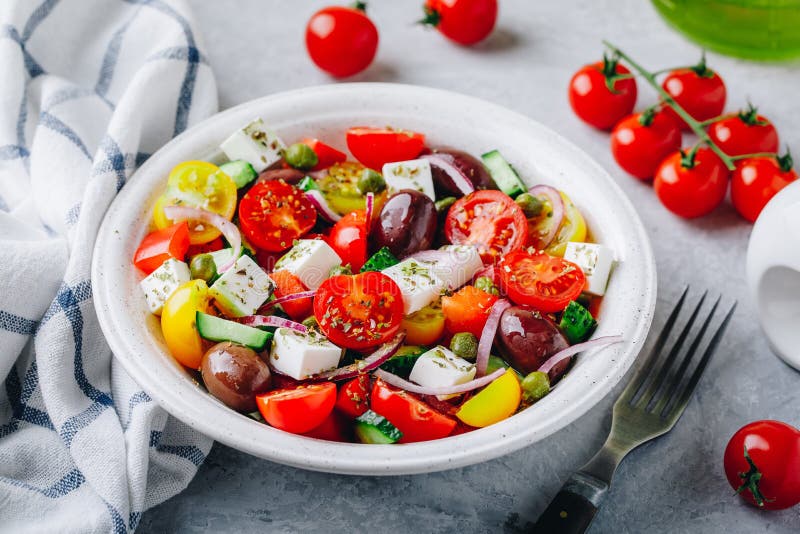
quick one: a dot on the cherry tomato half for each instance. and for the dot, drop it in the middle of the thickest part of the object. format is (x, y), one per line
(698, 90)
(415, 419)
(359, 311)
(745, 133)
(348, 238)
(489, 220)
(353, 397)
(326, 154)
(273, 214)
(287, 284)
(691, 190)
(375, 146)
(161, 245)
(465, 22)
(545, 282)
(640, 142)
(755, 181)
(593, 102)
(300, 409)
(467, 310)
(342, 41)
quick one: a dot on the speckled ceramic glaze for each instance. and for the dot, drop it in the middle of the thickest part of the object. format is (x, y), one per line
(540, 155)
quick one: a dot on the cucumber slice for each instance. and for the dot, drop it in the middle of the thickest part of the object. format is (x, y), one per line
(240, 171)
(577, 323)
(380, 261)
(307, 184)
(217, 329)
(373, 428)
(503, 174)
(403, 360)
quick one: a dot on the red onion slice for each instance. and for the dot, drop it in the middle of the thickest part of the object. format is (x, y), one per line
(373, 361)
(553, 198)
(370, 202)
(272, 320)
(487, 335)
(445, 163)
(323, 208)
(228, 229)
(553, 360)
(287, 298)
(396, 381)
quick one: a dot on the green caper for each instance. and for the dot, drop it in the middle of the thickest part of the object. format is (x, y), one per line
(531, 206)
(371, 182)
(310, 322)
(300, 156)
(484, 283)
(444, 204)
(535, 386)
(336, 270)
(203, 267)
(465, 345)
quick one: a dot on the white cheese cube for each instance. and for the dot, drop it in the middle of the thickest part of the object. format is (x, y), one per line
(418, 284)
(595, 261)
(466, 263)
(412, 174)
(257, 145)
(242, 289)
(303, 355)
(162, 282)
(439, 367)
(310, 260)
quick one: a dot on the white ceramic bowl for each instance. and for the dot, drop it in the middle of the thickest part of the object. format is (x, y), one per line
(540, 155)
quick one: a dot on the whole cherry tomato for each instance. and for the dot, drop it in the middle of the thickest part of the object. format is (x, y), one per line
(641, 141)
(597, 95)
(464, 21)
(762, 463)
(691, 185)
(342, 41)
(348, 238)
(756, 180)
(698, 90)
(744, 133)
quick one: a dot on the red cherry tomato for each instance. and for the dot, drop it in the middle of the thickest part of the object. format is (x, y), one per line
(359, 311)
(287, 284)
(467, 310)
(300, 409)
(591, 99)
(640, 142)
(348, 237)
(488, 219)
(548, 283)
(756, 180)
(464, 21)
(326, 154)
(745, 133)
(334, 428)
(698, 90)
(273, 214)
(762, 463)
(204, 248)
(375, 146)
(353, 398)
(342, 41)
(161, 245)
(691, 190)
(415, 419)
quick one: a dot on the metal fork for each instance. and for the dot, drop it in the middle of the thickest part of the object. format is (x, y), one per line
(649, 407)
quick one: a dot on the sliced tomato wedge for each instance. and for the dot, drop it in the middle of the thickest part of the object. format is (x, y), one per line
(415, 419)
(326, 154)
(353, 398)
(272, 214)
(348, 238)
(359, 311)
(300, 409)
(548, 283)
(489, 220)
(287, 284)
(375, 146)
(161, 245)
(467, 310)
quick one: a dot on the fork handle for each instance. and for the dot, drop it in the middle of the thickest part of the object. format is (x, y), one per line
(574, 507)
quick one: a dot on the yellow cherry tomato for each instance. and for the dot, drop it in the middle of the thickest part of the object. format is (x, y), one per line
(340, 186)
(425, 326)
(197, 184)
(497, 401)
(573, 228)
(178, 322)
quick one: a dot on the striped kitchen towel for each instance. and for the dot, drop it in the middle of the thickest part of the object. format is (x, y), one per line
(88, 89)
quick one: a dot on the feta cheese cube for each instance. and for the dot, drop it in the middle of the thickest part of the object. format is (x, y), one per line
(412, 174)
(595, 261)
(303, 355)
(162, 282)
(257, 145)
(311, 260)
(418, 284)
(439, 367)
(466, 262)
(242, 289)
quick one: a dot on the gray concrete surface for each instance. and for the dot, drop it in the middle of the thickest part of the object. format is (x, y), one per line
(673, 485)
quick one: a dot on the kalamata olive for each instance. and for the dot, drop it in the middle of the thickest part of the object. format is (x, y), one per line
(528, 339)
(235, 375)
(406, 224)
(469, 165)
(290, 176)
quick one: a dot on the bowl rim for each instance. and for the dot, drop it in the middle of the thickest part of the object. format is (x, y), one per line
(240, 432)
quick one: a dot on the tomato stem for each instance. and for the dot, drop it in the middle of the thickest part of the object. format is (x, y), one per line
(709, 122)
(359, 5)
(755, 155)
(431, 18)
(648, 115)
(749, 116)
(785, 162)
(688, 160)
(750, 481)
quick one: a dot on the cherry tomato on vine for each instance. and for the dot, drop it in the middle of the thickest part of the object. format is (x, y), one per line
(592, 98)
(762, 463)
(640, 142)
(464, 21)
(744, 133)
(342, 41)
(756, 180)
(698, 90)
(691, 185)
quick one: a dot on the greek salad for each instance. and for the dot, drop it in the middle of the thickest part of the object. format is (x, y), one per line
(408, 294)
